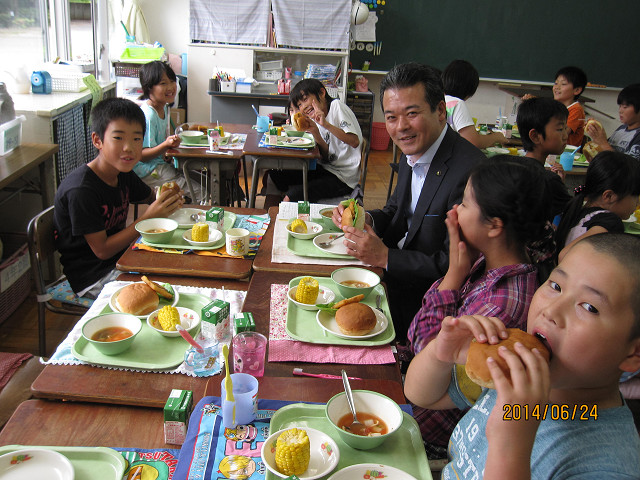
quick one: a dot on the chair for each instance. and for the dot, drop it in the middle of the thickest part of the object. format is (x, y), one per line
(358, 190)
(43, 256)
(394, 168)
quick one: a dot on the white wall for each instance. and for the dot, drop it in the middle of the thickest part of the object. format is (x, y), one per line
(168, 22)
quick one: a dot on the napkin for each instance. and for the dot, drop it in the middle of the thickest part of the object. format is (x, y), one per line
(283, 348)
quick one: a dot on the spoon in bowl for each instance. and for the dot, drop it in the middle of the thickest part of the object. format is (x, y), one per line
(355, 425)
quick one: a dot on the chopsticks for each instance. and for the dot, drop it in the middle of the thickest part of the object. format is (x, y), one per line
(298, 371)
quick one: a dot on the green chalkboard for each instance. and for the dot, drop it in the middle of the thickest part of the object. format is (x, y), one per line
(517, 40)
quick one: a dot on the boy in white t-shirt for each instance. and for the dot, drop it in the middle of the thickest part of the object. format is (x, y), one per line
(337, 133)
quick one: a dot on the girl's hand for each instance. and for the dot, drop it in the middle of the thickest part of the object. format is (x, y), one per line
(173, 141)
(452, 342)
(460, 261)
(318, 114)
(557, 168)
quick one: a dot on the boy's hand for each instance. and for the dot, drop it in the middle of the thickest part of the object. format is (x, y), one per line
(452, 342)
(557, 168)
(597, 133)
(165, 205)
(460, 259)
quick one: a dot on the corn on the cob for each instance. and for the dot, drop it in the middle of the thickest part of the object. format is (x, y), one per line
(307, 291)
(200, 232)
(298, 226)
(168, 317)
(293, 452)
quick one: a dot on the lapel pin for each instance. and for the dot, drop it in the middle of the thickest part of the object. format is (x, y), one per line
(438, 173)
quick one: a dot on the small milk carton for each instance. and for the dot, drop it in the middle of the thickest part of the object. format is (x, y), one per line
(216, 214)
(304, 211)
(216, 323)
(244, 322)
(176, 416)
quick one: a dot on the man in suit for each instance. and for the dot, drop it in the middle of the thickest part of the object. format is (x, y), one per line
(408, 237)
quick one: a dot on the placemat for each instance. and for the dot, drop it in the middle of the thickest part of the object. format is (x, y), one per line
(282, 348)
(64, 356)
(256, 224)
(142, 463)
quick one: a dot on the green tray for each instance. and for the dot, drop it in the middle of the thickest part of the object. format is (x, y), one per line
(89, 463)
(632, 227)
(282, 138)
(306, 248)
(404, 450)
(176, 241)
(302, 324)
(150, 350)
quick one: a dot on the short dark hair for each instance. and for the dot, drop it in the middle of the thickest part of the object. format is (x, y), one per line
(112, 109)
(630, 95)
(575, 76)
(624, 248)
(514, 192)
(460, 79)
(535, 114)
(306, 87)
(151, 75)
(409, 74)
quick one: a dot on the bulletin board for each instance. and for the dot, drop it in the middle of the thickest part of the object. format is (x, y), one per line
(507, 40)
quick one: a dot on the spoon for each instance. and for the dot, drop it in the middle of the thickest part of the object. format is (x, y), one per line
(326, 244)
(347, 390)
(379, 302)
(195, 216)
(189, 339)
(228, 384)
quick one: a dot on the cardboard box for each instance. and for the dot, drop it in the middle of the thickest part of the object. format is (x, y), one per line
(244, 322)
(216, 324)
(178, 116)
(304, 210)
(216, 214)
(177, 411)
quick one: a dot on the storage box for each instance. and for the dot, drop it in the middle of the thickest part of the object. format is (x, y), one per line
(177, 411)
(68, 82)
(228, 86)
(243, 87)
(11, 134)
(15, 273)
(135, 54)
(272, 65)
(131, 70)
(269, 75)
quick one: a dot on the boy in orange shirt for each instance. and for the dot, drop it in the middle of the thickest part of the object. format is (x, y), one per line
(569, 84)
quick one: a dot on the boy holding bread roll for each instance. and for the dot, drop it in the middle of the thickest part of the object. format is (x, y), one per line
(92, 202)
(554, 415)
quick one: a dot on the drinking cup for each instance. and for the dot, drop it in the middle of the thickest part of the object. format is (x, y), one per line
(262, 123)
(566, 160)
(245, 400)
(249, 349)
(237, 241)
(202, 364)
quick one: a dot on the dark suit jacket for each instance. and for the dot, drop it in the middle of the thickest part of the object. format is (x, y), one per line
(425, 255)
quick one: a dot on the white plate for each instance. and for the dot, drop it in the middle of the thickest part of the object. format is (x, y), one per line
(163, 301)
(189, 320)
(324, 454)
(370, 470)
(328, 323)
(313, 229)
(325, 295)
(498, 150)
(631, 219)
(336, 247)
(183, 216)
(214, 236)
(35, 463)
(295, 141)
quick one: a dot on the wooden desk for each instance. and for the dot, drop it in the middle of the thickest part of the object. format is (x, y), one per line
(215, 163)
(280, 158)
(262, 261)
(24, 159)
(190, 265)
(258, 302)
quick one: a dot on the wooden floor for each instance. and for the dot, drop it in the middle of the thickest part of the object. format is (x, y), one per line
(19, 333)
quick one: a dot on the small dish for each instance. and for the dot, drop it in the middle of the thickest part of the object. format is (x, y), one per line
(344, 278)
(313, 229)
(370, 470)
(156, 230)
(111, 320)
(294, 141)
(336, 247)
(191, 135)
(325, 454)
(189, 319)
(35, 463)
(162, 301)
(325, 295)
(328, 323)
(214, 236)
(183, 216)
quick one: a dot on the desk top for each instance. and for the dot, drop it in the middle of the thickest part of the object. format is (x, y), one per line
(22, 159)
(190, 265)
(251, 148)
(202, 152)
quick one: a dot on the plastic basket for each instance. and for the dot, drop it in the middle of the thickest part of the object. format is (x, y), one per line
(272, 65)
(15, 274)
(135, 54)
(131, 70)
(379, 136)
(333, 92)
(269, 75)
(68, 82)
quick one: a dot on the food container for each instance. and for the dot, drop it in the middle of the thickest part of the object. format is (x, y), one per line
(151, 229)
(177, 411)
(354, 274)
(216, 324)
(107, 320)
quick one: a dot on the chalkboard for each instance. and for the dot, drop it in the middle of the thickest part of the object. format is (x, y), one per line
(511, 40)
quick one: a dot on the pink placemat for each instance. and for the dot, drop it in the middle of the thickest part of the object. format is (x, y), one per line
(9, 363)
(283, 348)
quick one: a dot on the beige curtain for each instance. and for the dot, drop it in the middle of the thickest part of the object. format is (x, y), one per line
(135, 22)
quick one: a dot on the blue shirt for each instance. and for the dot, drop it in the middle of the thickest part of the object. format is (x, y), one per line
(155, 134)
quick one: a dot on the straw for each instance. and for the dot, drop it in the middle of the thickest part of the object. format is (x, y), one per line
(254, 109)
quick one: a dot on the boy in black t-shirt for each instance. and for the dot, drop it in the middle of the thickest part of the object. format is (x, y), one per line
(92, 202)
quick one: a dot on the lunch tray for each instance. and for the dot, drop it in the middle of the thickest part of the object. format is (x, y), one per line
(89, 463)
(150, 350)
(177, 242)
(306, 248)
(404, 450)
(263, 142)
(303, 325)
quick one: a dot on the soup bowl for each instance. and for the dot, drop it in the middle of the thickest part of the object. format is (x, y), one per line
(157, 230)
(111, 320)
(325, 218)
(369, 402)
(344, 278)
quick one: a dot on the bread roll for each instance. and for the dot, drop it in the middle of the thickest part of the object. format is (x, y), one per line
(355, 319)
(591, 121)
(168, 186)
(137, 299)
(300, 122)
(476, 367)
